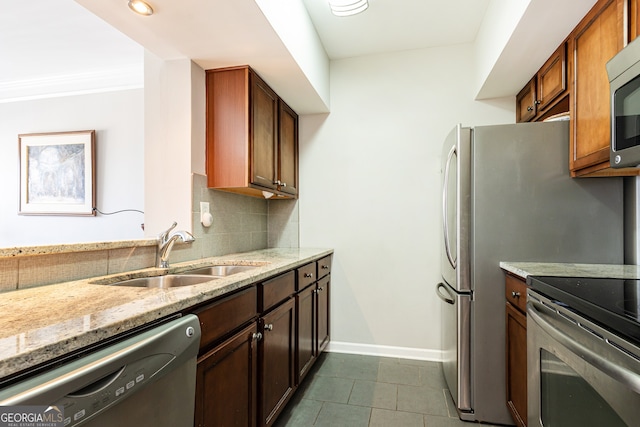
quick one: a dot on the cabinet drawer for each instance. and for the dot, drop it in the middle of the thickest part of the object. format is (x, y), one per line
(306, 275)
(516, 292)
(324, 266)
(276, 290)
(227, 314)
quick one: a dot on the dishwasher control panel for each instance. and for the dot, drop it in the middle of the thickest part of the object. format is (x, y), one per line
(107, 391)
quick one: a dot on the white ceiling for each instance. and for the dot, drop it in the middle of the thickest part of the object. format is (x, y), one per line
(395, 25)
(46, 41)
(56, 45)
(50, 45)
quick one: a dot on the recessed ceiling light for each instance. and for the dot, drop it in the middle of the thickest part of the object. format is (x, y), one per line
(140, 7)
(348, 7)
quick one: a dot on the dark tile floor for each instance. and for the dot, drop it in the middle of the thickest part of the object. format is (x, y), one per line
(354, 390)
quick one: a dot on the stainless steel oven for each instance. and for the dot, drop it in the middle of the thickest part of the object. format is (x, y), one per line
(580, 372)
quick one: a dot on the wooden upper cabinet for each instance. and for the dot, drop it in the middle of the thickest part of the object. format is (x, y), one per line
(252, 140)
(264, 136)
(287, 175)
(542, 95)
(634, 20)
(598, 37)
(526, 102)
(552, 78)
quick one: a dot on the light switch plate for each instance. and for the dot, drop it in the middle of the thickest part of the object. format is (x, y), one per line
(205, 216)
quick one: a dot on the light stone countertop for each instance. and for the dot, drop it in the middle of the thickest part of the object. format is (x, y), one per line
(40, 324)
(525, 269)
(19, 251)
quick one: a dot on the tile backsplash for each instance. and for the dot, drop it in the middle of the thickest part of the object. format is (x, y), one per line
(240, 224)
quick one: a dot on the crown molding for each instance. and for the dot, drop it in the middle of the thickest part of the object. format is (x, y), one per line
(123, 78)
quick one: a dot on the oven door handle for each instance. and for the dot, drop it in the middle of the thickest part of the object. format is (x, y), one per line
(620, 373)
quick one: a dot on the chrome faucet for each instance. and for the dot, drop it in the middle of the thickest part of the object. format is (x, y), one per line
(166, 241)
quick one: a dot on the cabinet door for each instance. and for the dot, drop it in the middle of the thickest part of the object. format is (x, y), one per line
(552, 78)
(634, 20)
(264, 133)
(517, 365)
(323, 294)
(526, 102)
(277, 360)
(287, 149)
(226, 382)
(597, 38)
(306, 336)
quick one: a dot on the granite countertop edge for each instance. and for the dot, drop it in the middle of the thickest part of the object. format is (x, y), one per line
(526, 269)
(45, 323)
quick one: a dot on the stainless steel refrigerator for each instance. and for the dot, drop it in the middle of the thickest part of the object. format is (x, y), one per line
(507, 195)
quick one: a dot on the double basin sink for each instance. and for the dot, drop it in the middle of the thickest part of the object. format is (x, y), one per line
(186, 278)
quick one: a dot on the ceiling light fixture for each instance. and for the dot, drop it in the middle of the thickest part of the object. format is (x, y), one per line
(348, 7)
(140, 7)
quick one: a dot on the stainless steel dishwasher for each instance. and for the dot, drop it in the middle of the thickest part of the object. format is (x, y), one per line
(147, 379)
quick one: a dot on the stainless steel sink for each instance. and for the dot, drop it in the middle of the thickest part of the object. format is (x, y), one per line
(163, 282)
(221, 270)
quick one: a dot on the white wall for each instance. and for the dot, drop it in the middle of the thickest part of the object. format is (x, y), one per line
(370, 178)
(168, 121)
(117, 119)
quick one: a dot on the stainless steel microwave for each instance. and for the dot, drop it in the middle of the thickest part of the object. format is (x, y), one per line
(624, 81)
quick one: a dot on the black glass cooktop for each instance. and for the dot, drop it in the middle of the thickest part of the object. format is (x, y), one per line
(613, 303)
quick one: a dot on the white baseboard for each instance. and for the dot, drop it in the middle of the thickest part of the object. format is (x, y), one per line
(385, 351)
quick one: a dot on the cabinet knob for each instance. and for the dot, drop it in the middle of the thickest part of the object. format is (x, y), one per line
(529, 108)
(324, 267)
(283, 184)
(538, 102)
(268, 327)
(320, 289)
(257, 336)
(515, 294)
(308, 275)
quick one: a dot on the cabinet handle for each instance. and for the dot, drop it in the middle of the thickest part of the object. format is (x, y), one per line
(321, 289)
(515, 294)
(268, 327)
(277, 182)
(308, 275)
(529, 108)
(257, 336)
(283, 184)
(324, 267)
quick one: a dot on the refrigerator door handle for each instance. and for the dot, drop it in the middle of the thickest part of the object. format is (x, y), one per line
(445, 212)
(448, 298)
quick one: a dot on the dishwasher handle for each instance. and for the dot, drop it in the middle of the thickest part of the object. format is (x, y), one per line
(98, 385)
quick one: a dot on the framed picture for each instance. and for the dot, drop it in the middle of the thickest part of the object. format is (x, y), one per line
(57, 173)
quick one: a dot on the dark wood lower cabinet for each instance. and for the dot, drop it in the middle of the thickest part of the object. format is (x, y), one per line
(517, 365)
(277, 360)
(226, 383)
(306, 312)
(323, 313)
(258, 344)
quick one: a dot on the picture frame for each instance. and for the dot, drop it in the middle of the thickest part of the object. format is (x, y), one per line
(57, 173)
